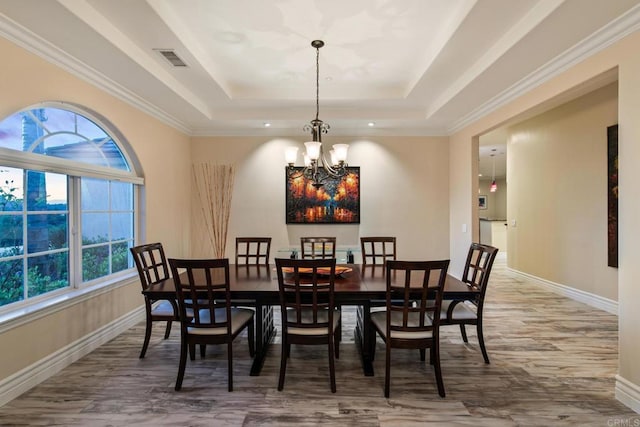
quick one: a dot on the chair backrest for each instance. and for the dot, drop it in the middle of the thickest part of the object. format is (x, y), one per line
(478, 267)
(419, 285)
(378, 250)
(202, 290)
(318, 247)
(151, 263)
(306, 286)
(253, 250)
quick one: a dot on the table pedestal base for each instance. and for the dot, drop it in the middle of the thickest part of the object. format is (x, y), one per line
(265, 333)
(364, 338)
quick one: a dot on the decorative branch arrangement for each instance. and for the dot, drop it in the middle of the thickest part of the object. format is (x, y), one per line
(214, 187)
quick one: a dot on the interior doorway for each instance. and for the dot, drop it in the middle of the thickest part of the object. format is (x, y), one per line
(492, 189)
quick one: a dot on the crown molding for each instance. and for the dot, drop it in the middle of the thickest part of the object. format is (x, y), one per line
(35, 44)
(601, 39)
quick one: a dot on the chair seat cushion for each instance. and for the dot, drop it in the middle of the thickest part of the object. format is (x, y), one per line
(462, 311)
(239, 318)
(163, 308)
(307, 317)
(379, 319)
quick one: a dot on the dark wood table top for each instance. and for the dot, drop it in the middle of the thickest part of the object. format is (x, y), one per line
(363, 282)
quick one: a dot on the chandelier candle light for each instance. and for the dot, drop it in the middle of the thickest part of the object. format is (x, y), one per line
(316, 167)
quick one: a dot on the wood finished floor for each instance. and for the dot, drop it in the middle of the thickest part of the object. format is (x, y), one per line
(553, 362)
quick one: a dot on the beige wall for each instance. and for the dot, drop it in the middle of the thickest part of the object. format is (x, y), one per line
(558, 194)
(164, 155)
(621, 56)
(404, 193)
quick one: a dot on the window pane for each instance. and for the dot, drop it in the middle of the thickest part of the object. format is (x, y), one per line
(46, 191)
(89, 129)
(11, 242)
(95, 228)
(11, 132)
(121, 257)
(121, 226)
(95, 262)
(11, 281)
(121, 196)
(46, 232)
(95, 194)
(11, 189)
(48, 273)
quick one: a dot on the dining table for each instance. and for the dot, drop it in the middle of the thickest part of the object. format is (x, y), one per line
(360, 285)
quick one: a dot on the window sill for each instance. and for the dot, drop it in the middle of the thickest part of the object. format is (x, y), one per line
(30, 312)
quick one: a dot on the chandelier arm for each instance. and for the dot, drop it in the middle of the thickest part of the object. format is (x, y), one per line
(332, 171)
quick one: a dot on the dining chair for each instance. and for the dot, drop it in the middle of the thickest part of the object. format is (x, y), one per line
(253, 250)
(377, 250)
(152, 267)
(318, 247)
(207, 317)
(309, 315)
(476, 273)
(414, 324)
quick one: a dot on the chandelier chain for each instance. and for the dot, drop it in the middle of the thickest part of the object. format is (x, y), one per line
(317, 81)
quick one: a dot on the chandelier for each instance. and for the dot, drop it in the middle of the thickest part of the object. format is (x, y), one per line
(493, 187)
(316, 167)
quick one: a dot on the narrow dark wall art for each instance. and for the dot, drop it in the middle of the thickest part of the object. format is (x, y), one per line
(612, 197)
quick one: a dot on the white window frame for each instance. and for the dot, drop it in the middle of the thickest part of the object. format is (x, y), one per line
(29, 309)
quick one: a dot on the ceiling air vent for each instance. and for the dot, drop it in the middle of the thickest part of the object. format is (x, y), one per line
(172, 57)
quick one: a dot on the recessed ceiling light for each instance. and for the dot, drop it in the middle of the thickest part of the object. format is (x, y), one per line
(267, 125)
(371, 124)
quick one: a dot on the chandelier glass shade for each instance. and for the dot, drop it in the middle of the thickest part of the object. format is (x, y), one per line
(317, 168)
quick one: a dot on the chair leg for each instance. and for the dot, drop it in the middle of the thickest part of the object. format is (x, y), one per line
(387, 372)
(463, 331)
(167, 331)
(192, 351)
(432, 355)
(437, 369)
(481, 341)
(147, 337)
(423, 354)
(339, 328)
(230, 364)
(183, 363)
(203, 350)
(332, 367)
(372, 341)
(252, 339)
(283, 362)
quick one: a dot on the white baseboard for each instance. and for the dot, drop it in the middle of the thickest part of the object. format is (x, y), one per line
(23, 380)
(628, 393)
(593, 300)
